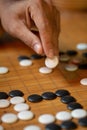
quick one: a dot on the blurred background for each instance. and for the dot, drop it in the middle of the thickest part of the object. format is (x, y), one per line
(71, 5)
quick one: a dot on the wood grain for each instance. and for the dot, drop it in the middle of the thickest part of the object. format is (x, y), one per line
(30, 81)
(71, 4)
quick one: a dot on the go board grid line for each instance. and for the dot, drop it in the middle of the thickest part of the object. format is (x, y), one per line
(37, 81)
(22, 80)
(40, 83)
(19, 77)
(4, 76)
(54, 81)
(24, 83)
(15, 70)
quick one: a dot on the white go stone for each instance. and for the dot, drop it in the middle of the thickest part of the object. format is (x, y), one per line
(46, 119)
(64, 58)
(3, 70)
(83, 81)
(17, 100)
(4, 103)
(81, 46)
(63, 116)
(51, 63)
(9, 118)
(32, 127)
(45, 70)
(25, 115)
(25, 62)
(71, 67)
(1, 127)
(79, 113)
(21, 107)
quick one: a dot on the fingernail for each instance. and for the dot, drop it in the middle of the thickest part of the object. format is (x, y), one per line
(37, 48)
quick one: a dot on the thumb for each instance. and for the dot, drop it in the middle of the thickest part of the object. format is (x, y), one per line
(21, 31)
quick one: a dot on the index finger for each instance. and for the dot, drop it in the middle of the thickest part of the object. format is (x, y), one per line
(43, 24)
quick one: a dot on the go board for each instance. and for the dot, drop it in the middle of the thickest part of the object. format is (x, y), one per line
(30, 81)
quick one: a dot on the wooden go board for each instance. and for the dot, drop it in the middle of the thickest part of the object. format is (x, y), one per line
(30, 81)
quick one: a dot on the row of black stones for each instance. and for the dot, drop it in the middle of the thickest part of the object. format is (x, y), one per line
(47, 95)
(13, 93)
(67, 125)
(65, 98)
(69, 53)
(64, 94)
(32, 57)
(72, 53)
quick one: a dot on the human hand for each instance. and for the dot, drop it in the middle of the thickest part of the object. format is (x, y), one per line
(18, 17)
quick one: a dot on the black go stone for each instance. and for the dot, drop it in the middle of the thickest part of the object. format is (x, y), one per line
(67, 99)
(71, 52)
(82, 66)
(84, 54)
(83, 121)
(74, 105)
(61, 53)
(62, 92)
(36, 56)
(52, 126)
(14, 93)
(3, 95)
(20, 58)
(68, 125)
(49, 95)
(34, 98)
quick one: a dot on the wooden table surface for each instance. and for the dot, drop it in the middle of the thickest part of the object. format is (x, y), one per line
(30, 81)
